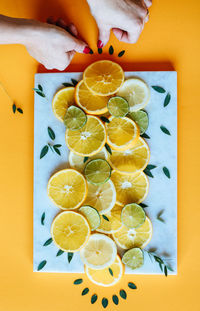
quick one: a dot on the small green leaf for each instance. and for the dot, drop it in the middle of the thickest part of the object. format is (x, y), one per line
(165, 270)
(70, 256)
(145, 136)
(111, 50)
(158, 259)
(56, 150)
(110, 270)
(41, 265)
(123, 293)
(158, 89)
(167, 100)
(161, 267)
(169, 268)
(166, 171)
(85, 159)
(51, 133)
(143, 205)
(104, 119)
(100, 50)
(159, 216)
(115, 299)
(20, 110)
(66, 84)
(42, 219)
(59, 253)
(105, 217)
(148, 173)
(58, 145)
(108, 148)
(49, 241)
(39, 92)
(132, 285)
(78, 281)
(121, 53)
(40, 87)
(151, 167)
(91, 51)
(104, 302)
(165, 130)
(94, 299)
(85, 291)
(14, 108)
(44, 151)
(75, 82)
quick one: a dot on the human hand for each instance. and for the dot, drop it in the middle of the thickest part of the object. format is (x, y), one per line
(126, 18)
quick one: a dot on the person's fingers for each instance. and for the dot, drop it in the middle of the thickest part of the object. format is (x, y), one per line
(69, 55)
(61, 23)
(50, 20)
(148, 3)
(72, 29)
(129, 37)
(104, 35)
(78, 46)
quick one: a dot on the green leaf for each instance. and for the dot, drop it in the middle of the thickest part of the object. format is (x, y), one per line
(143, 205)
(165, 270)
(104, 302)
(56, 150)
(66, 84)
(51, 147)
(100, 50)
(42, 219)
(169, 268)
(132, 285)
(20, 110)
(14, 108)
(49, 241)
(151, 167)
(51, 133)
(158, 89)
(44, 151)
(148, 173)
(166, 171)
(145, 136)
(78, 281)
(161, 267)
(110, 270)
(39, 92)
(75, 82)
(159, 216)
(108, 148)
(165, 130)
(40, 87)
(59, 253)
(105, 217)
(41, 265)
(58, 145)
(104, 119)
(70, 256)
(167, 100)
(123, 293)
(85, 291)
(111, 50)
(115, 299)
(85, 159)
(121, 53)
(94, 299)
(91, 51)
(158, 259)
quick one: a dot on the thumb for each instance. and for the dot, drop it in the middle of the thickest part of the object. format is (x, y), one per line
(104, 35)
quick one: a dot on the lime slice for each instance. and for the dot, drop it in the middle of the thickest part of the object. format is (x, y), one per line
(74, 118)
(118, 106)
(97, 171)
(141, 118)
(92, 216)
(133, 215)
(133, 258)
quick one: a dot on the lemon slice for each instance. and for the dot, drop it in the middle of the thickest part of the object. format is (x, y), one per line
(133, 258)
(107, 276)
(74, 118)
(130, 188)
(99, 252)
(103, 77)
(97, 171)
(90, 103)
(61, 101)
(92, 216)
(118, 106)
(141, 118)
(136, 92)
(133, 215)
(67, 189)
(70, 231)
(89, 140)
(111, 221)
(132, 160)
(128, 238)
(122, 133)
(102, 197)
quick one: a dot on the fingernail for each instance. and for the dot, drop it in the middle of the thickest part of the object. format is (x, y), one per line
(99, 44)
(86, 50)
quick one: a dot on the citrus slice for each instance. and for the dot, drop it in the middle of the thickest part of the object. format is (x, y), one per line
(118, 106)
(70, 231)
(61, 101)
(103, 77)
(102, 197)
(108, 276)
(133, 215)
(133, 258)
(67, 189)
(141, 118)
(111, 221)
(79, 162)
(122, 133)
(92, 216)
(136, 92)
(89, 140)
(128, 238)
(130, 188)
(97, 171)
(90, 103)
(74, 118)
(99, 252)
(132, 160)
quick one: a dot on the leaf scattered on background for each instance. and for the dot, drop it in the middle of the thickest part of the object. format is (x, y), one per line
(123, 293)
(145, 136)
(41, 265)
(39, 91)
(49, 241)
(67, 84)
(85, 159)
(44, 151)
(94, 299)
(42, 219)
(104, 302)
(151, 166)
(115, 299)
(59, 253)
(166, 171)
(121, 53)
(75, 82)
(143, 205)
(105, 217)
(108, 148)
(85, 291)
(110, 271)
(51, 133)
(165, 270)
(40, 87)
(56, 150)
(159, 216)
(132, 285)
(148, 173)
(20, 110)
(111, 50)
(91, 51)
(78, 281)
(104, 119)
(100, 50)
(167, 100)
(70, 256)
(165, 130)
(14, 108)
(158, 89)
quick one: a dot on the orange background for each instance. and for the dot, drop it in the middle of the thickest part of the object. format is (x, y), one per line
(170, 40)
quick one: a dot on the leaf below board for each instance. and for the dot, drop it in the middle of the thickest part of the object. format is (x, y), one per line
(166, 171)
(151, 166)
(91, 51)
(85, 159)
(59, 253)
(78, 281)
(115, 299)
(148, 173)
(104, 119)
(44, 151)
(100, 50)
(132, 285)
(94, 299)
(105, 217)
(85, 291)
(121, 53)
(41, 265)
(75, 82)
(56, 150)
(123, 293)
(42, 219)
(66, 84)
(108, 148)
(14, 108)
(167, 100)
(111, 50)
(70, 256)
(49, 241)
(20, 110)
(144, 135)
(165, 130)
(104, 302)
(158, 89)
(110, 271)
(165, 270)
(40, 87)
(51, 133)
(143, 205)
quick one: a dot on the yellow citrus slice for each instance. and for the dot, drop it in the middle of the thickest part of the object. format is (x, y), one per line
(99, 252)
(90, 103)
(103, 77)
(67, 189)
(107, 276)
(128, 238)
(102, 197)
(122, 133)
(70, 231)
(130, 188)
(131, 160)
(89, 140)
(111, 221)
(61, 101)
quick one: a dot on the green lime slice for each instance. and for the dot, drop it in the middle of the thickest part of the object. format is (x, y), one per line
(133, 258)
(141, 118)
(97, 171)
(92, 216)
(118, 106)
(74, 118)
(133, 215)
